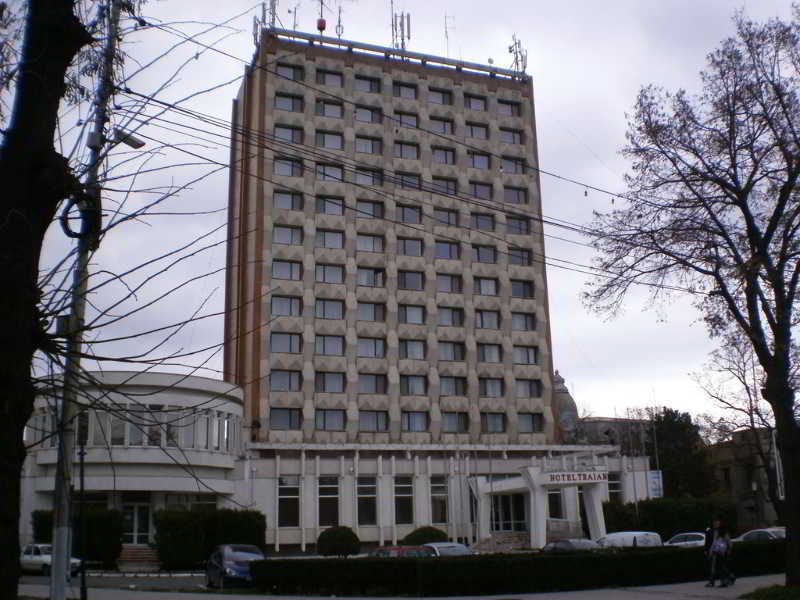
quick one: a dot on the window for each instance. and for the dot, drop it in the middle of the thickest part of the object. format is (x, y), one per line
(333, 78)
(555, 504)
(519, 256)
(285, 269)
(370, 311)
(406, 119)
(518, 225)
(293, 72)
(510, 136)
(363, 176)
(371, 277)
(329, 274)
(487, 319)
(534, 423)
(406, 150)
(509, 108)
(412, 420)
(287, 200)
(481, 221)
(328, 495)
(329, 419)
(371, 383)
(448, 283)
(455, 422)
(410, 280)
(368, 209)
(490, 387)
(450, 316)
(440, 96)
(370, 85)
(490, 353)
(285, 306)
(285, 381)
(282, 234)
(285, 342)
(514, 195)
(614, 486)
(512, 164)
(414, 385)
(326, 172)
(525, 355)
(330, 345)
(474, 102)
(368, 145)
(373, 420)
(444, 216)
(330, 139)
(478, 160)
(486, 286)
(289, 102)
(441, 125)
(412, 349)
(439, 498)
(403, 500)
(444, 185)
(329, 309)
(523, 321)
(289, 501)
(477, 130)
(485, 254)
(404, 90)
(367, 497)
(371, 347)
(285, 418)
(330, 206)
(528, 388)
(329, 108)
(443, 156)
(329, 239)
(409, 214)
(412, 314)
(408, 180)
(480, 190)
(409, 246)
(289, 167)
(452, 386)
(492, 422)
(289, 134)
(369, 243)
(521, 289)
(368, 114)
(329, 382)
(452, 351)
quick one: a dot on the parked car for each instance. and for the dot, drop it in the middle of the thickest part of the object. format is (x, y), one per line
(630, 539)
(39, 558)
(689, 539)
(571, 545)
(762, 535)
(388, 551)
(449, 549)
(230, 563)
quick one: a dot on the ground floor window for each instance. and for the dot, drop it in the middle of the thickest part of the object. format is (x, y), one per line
(508, 513)
(555, 503)
(614, 486)
(438, 498)
(328, 501)
(367, 493)
(403, 500)
(289, 501)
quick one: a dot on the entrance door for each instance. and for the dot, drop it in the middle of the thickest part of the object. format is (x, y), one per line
(136, 524)
(508, 513)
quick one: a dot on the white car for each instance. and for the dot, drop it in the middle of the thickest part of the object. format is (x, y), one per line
(39, 558)
(449, 549)
(690, 539)
(630, 539)
(762, 535)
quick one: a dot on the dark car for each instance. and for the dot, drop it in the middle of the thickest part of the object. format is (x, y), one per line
(388, 551)
(230, 564)
(571, 545)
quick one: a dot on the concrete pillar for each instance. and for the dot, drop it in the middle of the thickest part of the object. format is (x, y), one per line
(593, 502)
(538, 511)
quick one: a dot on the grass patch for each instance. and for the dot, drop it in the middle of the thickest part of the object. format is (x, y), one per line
(774, 592)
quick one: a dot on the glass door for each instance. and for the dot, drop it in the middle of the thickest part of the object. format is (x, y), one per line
(136, 524)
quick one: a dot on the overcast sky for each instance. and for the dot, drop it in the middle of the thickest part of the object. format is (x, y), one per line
(587, 59)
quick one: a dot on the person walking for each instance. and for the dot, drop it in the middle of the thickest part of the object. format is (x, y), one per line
(718, 549)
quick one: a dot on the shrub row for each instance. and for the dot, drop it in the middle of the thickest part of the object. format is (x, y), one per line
(103, 528)
(504, 573)
(668, 516)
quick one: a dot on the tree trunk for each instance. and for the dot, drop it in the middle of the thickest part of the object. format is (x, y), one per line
(789, 448)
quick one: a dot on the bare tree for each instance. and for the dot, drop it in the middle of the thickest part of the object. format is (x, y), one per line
(713, 206)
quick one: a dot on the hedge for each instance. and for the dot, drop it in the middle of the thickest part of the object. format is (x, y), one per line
(104, 528)
(504, 573)
(668, 516)
(425, 535)
(338, 541)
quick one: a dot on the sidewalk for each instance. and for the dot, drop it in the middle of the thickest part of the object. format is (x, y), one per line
(694, 590)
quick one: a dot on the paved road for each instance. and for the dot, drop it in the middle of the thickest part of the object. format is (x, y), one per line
(680, 591)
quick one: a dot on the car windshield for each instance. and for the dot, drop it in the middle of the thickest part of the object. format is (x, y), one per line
(779, 533)
(242, 552)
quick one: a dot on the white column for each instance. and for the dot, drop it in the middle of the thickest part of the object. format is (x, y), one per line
(538, 511)
(593, 502)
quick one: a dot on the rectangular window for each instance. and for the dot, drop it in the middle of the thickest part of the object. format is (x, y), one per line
(408, 180)
(444, 185)
(615, 486)
(479, 190)
(477, 130)
(519, 256)
(452, 386)
(455, 422)
(490, 353)
(521, 321)
(289, 102)
(444, 216)
(287, 200)
(510, 136)
(287, 71)
(404, 90)
(332, 78)
(289, 134)
(487, 319)
(513, 165)
(439, 125)
(329, 382)
(285, 418)
(327, 238)
(486, 286)
(439, 498)
(450, 316)
(521, 289)
(406, 150)
(367, 496)
(452, 351)
(555, 504)
(443, 156)
(410, 120)
(403, 500)
(285, 381)
(370, 311)
(509, 108)
(412, 314)
(289, 501)
(514, 195)
(368, 209)
(448, 283)
(369, 243)
(440, 96)
(411, 280)
(531, 423)
(412, 349)
(330, 345)
(329, 108)
(528, 388)
(490, 387)
(282, 234)
(371, 277)
(474, 102)
(373, 420)
(518, 225)
(368, 114)
(525, 355)
(327, 205)
(372, 383)
(492, 422)
(285, 306)
(371, 347)
(414, 420)
(484, 254)
(327, 172)
(330, 139)
(371, 85)
(482, 221)
(363, 176)
(285, 342)
(329, 274)
(409, 214)
(409, 247)
(328, 494)
(414, 385)
(288, 167)
(329, 419)
(478, 160)
(369, 145)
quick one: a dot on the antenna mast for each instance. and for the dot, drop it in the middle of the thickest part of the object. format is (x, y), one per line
(339, 26)
(447, 34)
(293, 12)
(401, 29)
(520, 55)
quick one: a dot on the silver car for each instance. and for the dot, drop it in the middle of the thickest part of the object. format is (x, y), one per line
(571, 545)
(762, 535)
(39, 558)
(689, 539)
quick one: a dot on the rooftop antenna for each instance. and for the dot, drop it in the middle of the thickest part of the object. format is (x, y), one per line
(447, 33)
(259, 23)
(339, 26)
(293, 12)
(520, 55)
(401, 28)
(273, 12)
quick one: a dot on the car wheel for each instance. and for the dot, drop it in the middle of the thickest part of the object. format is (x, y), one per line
(46, 570)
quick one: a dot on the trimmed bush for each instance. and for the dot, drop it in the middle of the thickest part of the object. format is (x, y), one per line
(668, 516)
(338, 541)
(425, 535)
(42, 523)
(103, 535)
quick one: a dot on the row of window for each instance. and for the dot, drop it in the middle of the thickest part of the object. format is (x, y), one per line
(326, 419)
(410, 385)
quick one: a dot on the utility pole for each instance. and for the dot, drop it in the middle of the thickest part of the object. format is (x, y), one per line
(89, 204)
